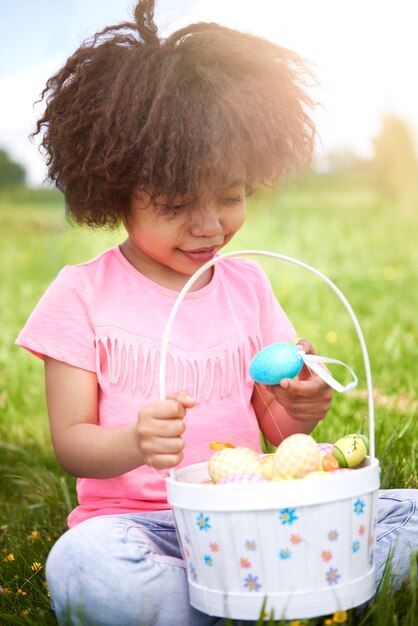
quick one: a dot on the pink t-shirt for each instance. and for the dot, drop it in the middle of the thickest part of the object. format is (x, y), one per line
(105, 317)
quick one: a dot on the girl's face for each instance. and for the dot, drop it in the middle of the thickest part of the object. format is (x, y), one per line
(168, 248)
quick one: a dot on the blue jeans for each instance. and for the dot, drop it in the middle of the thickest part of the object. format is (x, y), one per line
(126, 570)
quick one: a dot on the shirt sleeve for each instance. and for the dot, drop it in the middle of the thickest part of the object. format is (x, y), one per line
(60, 326)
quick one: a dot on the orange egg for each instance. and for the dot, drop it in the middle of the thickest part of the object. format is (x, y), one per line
(328, 463)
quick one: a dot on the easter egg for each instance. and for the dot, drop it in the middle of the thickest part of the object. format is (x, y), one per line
(296, 456)
(327, 462)
(267, 466)
(219, 445)
(243, 479)
(229, 461)
(326, 448)
(351, 450)
(278, 361)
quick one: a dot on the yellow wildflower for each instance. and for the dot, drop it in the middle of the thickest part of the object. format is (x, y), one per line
(25, 612)
(340, 617)
(331, 336)
(35, 534)
(9, 558)
(36, 566)
(328, 621)
(20, 592)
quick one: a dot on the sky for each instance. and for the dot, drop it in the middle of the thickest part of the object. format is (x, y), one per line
(365, 55)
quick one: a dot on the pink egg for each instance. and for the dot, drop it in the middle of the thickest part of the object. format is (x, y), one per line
(326, 447)
(243, 479)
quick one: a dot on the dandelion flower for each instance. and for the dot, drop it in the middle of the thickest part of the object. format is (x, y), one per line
(9, 558)
(36, 566)
(331, 336)
(340, 617)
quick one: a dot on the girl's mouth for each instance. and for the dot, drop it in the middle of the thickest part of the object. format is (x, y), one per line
(200, 255)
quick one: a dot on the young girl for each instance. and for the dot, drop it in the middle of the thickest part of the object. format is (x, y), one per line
(167, 137)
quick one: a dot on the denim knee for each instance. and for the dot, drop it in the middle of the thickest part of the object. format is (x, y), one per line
(397, 532)
(105, 572)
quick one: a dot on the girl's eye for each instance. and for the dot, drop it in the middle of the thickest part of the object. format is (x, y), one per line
(180, 203)
(232, 199)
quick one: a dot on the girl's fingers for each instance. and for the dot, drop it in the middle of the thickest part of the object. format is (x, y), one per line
(290, 387)
(183, 398)
(164, 446)
(160, 428)
(306, 346)
(164, 426)
(165, 461)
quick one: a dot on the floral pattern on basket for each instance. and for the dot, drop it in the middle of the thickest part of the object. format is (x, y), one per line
(296, 538)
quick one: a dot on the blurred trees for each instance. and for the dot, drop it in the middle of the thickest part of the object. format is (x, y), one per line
(11, 173)
(395, 163)
(392, 169)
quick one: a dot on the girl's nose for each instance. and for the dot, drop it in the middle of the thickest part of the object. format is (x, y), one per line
(205, 222)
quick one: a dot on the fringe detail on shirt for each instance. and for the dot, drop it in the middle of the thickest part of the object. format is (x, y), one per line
(122, 362)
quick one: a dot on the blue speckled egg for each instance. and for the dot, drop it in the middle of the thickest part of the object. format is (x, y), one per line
(278, 361)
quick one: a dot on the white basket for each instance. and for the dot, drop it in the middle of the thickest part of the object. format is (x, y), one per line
(302, 548)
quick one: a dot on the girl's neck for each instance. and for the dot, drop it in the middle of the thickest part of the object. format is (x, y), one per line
(159, 273)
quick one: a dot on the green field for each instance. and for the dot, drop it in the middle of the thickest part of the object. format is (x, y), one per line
(363, 242)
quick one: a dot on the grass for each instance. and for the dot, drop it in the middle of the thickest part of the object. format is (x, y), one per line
(361, 241)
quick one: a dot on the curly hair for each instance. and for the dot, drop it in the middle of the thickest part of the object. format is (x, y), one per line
(176, 115)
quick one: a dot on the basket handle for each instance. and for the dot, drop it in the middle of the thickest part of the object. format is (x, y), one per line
(202, 270)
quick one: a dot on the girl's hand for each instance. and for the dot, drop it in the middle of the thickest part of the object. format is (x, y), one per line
(160, 428)
(306, 399)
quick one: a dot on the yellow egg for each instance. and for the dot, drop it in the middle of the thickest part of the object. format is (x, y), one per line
(267, 466)
(230, 461)
(296, 456)
(351, 450)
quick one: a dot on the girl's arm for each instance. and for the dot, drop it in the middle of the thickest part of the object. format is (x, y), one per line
(293, 406)
(86, 449)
